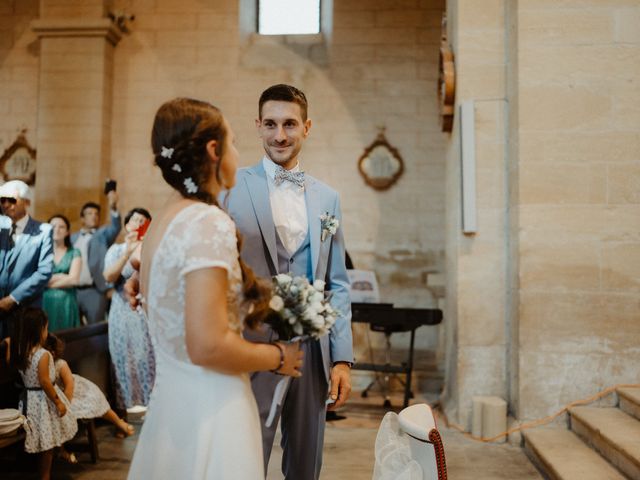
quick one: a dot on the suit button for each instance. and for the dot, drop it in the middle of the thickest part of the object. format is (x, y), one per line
(291, 260)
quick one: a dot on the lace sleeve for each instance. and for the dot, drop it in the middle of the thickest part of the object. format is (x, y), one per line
(210, 241)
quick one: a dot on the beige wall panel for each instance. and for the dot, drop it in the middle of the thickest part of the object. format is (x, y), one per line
(550, 183)
(581, 323)
(579, 224)
(564, 107)
(598, 66)
(624, 184)
(481, 372)
(620, 272)
(562, 267)
(551, 380)
(606, 146)
(561, 26)
(484, 15)
(72, 8)
(626, 25)
(626, 104)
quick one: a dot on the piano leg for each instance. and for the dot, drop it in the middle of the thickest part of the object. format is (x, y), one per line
(384, 384)
(385, 388)
(407, 386)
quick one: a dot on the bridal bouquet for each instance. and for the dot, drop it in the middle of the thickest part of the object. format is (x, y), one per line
(300, 308)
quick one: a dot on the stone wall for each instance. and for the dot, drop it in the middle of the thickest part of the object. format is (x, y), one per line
(558, 245)
(477, 263)
(578, 204)
(19, 62)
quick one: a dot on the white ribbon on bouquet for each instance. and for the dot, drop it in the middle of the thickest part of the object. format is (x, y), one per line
(281, 390)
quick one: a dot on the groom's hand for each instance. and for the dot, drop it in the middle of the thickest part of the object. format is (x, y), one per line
(340, 385)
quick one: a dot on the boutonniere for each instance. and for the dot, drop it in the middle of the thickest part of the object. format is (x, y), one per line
(329, 224)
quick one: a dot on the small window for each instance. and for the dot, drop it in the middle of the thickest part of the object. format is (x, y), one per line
(288, 17)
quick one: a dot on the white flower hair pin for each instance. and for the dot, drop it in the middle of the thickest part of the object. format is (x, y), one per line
(166, 152)
(176, 168)
(329, 225)
(190, 186)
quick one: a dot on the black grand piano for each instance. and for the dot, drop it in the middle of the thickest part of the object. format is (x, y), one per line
(385, 318)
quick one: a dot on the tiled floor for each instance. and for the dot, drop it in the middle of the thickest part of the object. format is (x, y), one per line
(348, 453)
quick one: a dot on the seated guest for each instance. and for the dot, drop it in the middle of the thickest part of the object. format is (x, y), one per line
(93, 243)
(129, 342)
(59, 300)
(85, 397)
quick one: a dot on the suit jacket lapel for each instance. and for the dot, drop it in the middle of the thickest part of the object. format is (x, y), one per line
(312, 197)
(14, 253)
(259, 194)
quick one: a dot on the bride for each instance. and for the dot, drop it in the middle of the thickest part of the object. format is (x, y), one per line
(202, 421)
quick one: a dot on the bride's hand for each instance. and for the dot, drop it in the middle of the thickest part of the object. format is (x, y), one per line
(292, 359)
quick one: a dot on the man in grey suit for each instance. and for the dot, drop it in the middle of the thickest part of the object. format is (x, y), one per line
(26, 253)
(93, 243)
(277, 210)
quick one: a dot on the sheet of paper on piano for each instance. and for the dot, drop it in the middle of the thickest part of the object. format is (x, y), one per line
(364, 286)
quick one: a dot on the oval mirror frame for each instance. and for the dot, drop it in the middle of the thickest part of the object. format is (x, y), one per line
(381, 164)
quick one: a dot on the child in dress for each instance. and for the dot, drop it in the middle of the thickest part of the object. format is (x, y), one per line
(49, 420)
(86, 398)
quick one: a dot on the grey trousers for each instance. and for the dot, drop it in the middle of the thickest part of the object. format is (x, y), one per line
(92, 303)
(302, 415)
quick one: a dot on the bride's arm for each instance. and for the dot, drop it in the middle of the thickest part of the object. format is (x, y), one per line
(210, 341)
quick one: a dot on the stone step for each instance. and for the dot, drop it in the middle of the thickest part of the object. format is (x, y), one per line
(629, 398)
(611, 432)
(561, 455)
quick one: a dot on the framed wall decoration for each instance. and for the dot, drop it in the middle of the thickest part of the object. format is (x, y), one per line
(380, 165)
(18, 162)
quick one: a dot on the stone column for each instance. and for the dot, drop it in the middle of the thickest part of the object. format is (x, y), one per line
(477, 304)
(74, 106)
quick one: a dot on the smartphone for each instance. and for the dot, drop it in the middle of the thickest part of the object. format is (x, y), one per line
(142, 229)
(109, 185)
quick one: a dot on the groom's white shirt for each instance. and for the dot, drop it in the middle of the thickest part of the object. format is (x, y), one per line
(288, 207)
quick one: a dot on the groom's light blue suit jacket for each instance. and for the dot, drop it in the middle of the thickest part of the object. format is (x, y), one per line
(248, 204)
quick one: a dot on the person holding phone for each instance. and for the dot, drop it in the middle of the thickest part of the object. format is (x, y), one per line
(129, 342)
(93, 243)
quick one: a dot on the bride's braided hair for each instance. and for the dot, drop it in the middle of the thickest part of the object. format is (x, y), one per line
(181, 131)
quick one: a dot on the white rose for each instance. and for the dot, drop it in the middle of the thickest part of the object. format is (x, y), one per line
(319, 285)
(297, 328)
(276, 303)
(318, 321)
(283, 278)
(309, 313)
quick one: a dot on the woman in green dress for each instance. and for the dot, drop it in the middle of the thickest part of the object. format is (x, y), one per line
(59, 300)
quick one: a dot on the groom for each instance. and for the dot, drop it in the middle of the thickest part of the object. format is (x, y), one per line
(277, 209)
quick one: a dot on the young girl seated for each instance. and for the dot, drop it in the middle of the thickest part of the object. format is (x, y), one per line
(49, 422)
(87, 400)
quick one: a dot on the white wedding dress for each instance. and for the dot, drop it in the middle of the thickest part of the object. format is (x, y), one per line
(200, 424)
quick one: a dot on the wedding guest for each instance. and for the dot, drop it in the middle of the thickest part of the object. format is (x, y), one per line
(49, 423)
(93, 243)
(129, 342)
(26, 253)
(278, 211)
(196, 290)
(59, 300)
